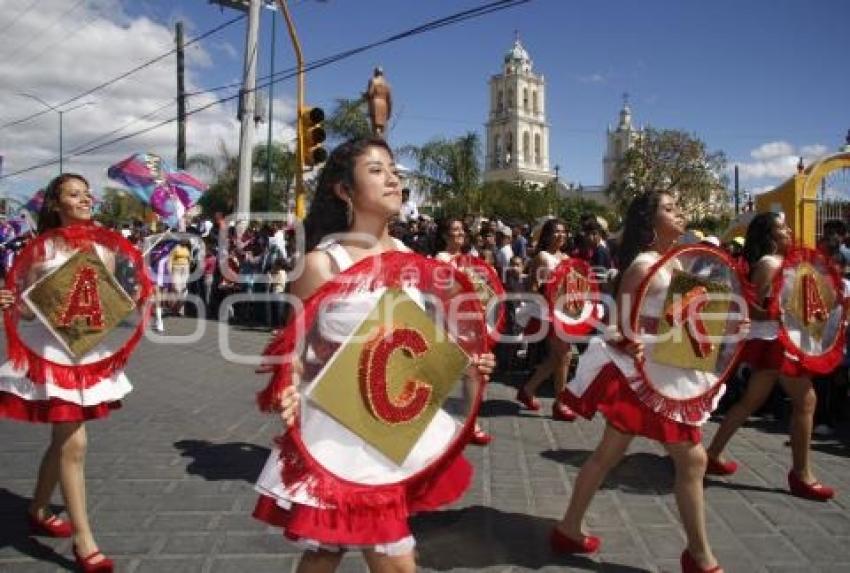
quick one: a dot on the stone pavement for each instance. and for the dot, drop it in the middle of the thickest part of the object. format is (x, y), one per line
(170, 486)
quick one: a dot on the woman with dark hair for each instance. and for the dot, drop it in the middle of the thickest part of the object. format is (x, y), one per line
(67, 201)
(767, 241)
(558, 352)
(453, 241)
(653, 225)
(357, 195)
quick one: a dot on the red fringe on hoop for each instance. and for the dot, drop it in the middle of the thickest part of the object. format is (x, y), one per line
(694, 410)
(352, 503)
(828, 361)
(592, 296)
(481, 267)
(38, 368)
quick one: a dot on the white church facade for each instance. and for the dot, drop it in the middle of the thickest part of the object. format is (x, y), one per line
(517, 135)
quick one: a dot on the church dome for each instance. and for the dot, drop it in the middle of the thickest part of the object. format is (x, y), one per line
(517, 57)
(517, 53)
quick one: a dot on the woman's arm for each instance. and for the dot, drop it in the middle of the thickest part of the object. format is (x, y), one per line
(763, 275)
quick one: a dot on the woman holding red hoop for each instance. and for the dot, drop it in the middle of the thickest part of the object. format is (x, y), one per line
(653, 224)
(47, 399)
(358, 192)
(767, 242)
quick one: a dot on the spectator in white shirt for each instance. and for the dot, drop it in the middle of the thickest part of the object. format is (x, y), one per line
(409, 211)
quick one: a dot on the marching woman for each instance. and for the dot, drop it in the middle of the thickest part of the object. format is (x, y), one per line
(556, 364)
(767, 242)
(358, 192)
(452, 242)
(652, 226)
(67, 203)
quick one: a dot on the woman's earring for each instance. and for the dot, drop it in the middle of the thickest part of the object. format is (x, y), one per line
(349, 213)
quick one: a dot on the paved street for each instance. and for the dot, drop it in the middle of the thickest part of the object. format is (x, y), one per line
(170, 486)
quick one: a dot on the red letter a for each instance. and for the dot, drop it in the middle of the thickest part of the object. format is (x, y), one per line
(84, 301)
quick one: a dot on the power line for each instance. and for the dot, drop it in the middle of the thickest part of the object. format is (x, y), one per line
(19, 15)
(125, 74)
(148, 115)
(49, 26)
(433, 25)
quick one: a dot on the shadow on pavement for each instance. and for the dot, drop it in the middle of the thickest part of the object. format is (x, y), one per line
(230, 461)
(641, 472)
(14, 531)
(709, 482)
(499, 408)
(478, 537)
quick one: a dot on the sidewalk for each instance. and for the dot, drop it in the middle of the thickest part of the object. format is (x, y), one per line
(170, 486)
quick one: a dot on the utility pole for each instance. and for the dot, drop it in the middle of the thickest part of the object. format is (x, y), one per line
(737, 193)
(181, 98)
(300, 190)
(246, 135)
(271, 121)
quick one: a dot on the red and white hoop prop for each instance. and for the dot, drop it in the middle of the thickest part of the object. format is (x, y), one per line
(687, 312)
(89, 331)
(573, 295)
(345, 453)
(808, 298)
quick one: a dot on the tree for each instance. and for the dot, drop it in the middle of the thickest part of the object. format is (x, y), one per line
(223, 170)
(671, 160)
(119, 206)
(572, 208)
(348, 120)
(450, 170)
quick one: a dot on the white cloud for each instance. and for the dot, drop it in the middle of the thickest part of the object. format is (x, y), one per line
(772, 150)
(111, 44)
(776, 161)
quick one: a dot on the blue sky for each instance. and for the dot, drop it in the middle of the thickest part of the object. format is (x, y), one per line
(761, 80)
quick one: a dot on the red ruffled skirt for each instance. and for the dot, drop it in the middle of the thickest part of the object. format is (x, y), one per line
(365, 526)
(764, 354)
(610, 394)
(51, 411)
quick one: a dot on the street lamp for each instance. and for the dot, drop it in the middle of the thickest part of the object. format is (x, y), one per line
(61, 113)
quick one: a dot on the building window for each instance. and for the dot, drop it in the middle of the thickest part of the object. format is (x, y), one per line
(497, 152)
(509, 148)
(537, 158)
(526, 147)
(534, 105)
(525, 99)
(510, 98)
(500, 101)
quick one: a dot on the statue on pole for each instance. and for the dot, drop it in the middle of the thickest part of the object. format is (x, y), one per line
(380, 102)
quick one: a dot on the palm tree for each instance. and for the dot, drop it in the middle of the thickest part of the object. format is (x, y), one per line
(223, 170)
(450, 170)
(348, 120)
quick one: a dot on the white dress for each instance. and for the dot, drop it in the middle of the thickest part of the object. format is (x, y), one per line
(337, 448)
(24, 399)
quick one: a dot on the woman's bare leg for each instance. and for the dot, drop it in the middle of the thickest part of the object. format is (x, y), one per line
(803, 402)
(382, 563)
(608, 454)
(758, 389)
(72, 442)
(690, 461)
(320, 561)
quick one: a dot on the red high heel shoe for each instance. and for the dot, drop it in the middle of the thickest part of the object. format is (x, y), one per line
(717, 468)
(85, 563)
(527, 400)
(562, 412)
(50, 526)
(816, 491)
(480, 438)
(691, 566)
(560, 543)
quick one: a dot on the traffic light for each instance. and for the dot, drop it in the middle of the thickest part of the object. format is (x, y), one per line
(312, 136)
